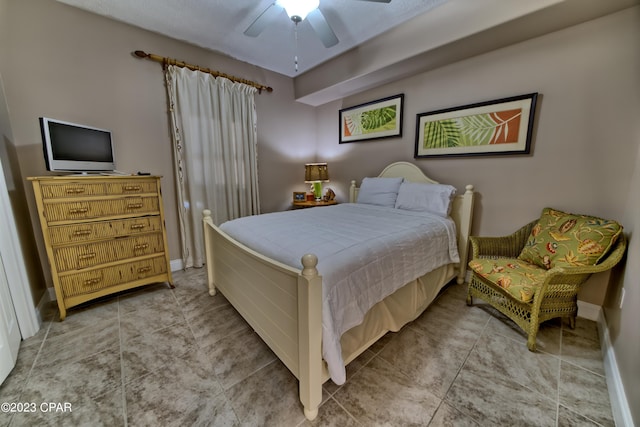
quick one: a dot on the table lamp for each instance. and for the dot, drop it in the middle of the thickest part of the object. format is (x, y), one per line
(316, 174)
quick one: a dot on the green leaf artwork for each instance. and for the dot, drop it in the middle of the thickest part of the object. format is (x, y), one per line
(479, 129)
(371, 121)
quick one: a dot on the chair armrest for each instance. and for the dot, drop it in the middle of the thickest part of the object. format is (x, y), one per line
(614, 256)
(505, 246)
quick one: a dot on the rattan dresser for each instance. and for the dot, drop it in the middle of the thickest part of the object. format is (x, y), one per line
(103, 234)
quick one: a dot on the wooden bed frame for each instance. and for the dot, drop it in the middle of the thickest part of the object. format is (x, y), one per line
(284, 305)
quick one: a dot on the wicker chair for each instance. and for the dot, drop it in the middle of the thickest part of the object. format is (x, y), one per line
(555, 297)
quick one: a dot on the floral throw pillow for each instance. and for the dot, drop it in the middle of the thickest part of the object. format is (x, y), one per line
(563, 239)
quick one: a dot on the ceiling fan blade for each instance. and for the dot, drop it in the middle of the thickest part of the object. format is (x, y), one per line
(266, 18)
(322, 28)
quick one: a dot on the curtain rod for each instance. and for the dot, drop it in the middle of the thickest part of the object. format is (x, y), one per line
(168, 61)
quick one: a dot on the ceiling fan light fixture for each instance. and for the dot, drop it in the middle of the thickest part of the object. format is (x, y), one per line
(298, 9)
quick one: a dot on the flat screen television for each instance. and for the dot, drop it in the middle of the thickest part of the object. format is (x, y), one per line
(76, 148)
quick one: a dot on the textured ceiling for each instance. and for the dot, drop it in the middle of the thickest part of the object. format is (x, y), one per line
(219, 25)
(379, 42)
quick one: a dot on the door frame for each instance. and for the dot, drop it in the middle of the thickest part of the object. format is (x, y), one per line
(28, 317)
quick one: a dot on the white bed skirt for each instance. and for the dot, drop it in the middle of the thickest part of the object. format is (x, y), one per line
(395, 311)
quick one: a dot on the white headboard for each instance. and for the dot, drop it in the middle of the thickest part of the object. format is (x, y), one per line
(461, 210)
(406, 170)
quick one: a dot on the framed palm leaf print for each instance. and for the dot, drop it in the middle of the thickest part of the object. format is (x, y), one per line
(373, 120)
(502, 126)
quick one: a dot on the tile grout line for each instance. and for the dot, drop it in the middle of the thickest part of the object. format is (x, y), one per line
(225, 389)
(33, 364)
(199, 348)
(343, 408)
(122, 373)
(464, 362)
(559, 378)
(35, 360)
(563, 361)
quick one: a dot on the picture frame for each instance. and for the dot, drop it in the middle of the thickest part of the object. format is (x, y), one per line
(498, 127)
(373, 120)
(299, 196)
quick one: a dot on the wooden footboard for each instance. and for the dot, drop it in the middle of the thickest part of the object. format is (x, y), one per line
(282, 304)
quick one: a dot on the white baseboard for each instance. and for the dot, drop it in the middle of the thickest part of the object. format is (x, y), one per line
(175, 265)
(48, 296)
(589, 311)
(617, 396)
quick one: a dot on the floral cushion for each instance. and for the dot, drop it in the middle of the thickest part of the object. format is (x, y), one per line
(519, 278)
(562, 239)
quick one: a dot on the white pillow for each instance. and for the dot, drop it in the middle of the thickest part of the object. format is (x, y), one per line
(379, 191)
(434, 198)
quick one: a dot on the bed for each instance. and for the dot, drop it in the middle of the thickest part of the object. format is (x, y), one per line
(285, 300)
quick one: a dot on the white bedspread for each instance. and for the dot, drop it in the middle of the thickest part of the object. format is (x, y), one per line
(365, 253)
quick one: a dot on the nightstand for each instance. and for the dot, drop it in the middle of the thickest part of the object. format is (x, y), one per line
(313, 204)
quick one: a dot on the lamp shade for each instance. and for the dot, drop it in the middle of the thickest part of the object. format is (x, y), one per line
(316, 172)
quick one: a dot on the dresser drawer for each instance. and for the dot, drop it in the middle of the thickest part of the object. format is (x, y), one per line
(92, 254)
(100, 208)
(95, 280)
(76, 189)
(132, 187)
(90, 231)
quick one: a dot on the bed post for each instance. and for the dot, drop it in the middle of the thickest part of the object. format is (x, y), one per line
(466, 215)
(353, 196)
(310, 336)
(207, 223)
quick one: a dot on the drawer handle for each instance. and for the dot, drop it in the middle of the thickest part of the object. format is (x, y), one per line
(134, 205)
(144, 269)
(137, 226)
(87, 256)
(75, 190)
(132, 188)
(78, 210)
(140, 246)
(92, 281)
(82, 232)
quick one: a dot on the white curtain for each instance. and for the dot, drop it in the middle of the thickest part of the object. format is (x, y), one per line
(213, 127)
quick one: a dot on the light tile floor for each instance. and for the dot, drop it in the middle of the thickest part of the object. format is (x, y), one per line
(179, 357)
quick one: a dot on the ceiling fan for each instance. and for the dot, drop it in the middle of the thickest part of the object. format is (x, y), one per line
(298, 11)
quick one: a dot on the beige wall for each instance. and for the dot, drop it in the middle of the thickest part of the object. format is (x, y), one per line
(15, 184)
(64, 63)
(584, 154)
(579, 161)
(623, 321)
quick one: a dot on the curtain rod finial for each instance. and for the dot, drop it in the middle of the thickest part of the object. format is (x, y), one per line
(141, 54)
